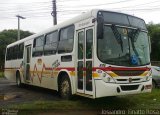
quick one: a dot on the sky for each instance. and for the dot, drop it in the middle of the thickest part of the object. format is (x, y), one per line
(38, 12)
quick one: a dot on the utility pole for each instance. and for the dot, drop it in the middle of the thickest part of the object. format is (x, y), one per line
(18, 34)
(54, 12)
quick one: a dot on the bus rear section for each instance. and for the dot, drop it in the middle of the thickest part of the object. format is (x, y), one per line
(13, 60)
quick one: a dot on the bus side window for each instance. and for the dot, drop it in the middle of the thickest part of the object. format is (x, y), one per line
(38, 46)
(11, 53)
(16, 52)
(89, 43)
(8, 54)
(20, 50)
(50, 45)
(66, 40)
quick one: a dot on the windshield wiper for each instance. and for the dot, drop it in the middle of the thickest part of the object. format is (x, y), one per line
(133, 34)
(117, 36)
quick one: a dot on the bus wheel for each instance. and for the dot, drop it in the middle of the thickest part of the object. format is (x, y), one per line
(18, 80)
(65, 88)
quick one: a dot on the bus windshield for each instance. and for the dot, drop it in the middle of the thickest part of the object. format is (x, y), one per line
(123, 46)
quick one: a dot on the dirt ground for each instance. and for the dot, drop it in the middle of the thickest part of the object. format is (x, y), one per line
(11, 94)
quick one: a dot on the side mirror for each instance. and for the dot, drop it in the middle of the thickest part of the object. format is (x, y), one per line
(100, 26)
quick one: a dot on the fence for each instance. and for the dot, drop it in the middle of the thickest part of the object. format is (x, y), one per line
(155, 63)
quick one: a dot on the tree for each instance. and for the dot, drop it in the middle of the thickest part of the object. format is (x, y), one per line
(7, 37)
(154, 33)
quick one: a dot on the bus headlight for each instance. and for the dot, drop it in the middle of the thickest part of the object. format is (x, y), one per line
(106, 78)
(146, 78)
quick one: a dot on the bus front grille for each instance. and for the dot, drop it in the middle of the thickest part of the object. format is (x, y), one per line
(128, 72)
(129, 87)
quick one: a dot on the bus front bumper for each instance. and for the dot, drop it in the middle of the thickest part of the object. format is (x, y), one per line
(103, 89)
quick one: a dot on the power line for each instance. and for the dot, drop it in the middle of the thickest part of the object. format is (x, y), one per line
(24, 3)
(102, 4)
(77, 12)
(35, 11)
(67, 0)
(28, 11)
(139, 5)
(49, 7)
(25, 8)
(144, 9)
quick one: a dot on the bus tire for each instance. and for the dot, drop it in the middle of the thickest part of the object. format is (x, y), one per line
(65, 88)
(18, 80)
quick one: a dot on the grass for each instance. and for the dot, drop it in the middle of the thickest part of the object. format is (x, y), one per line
(139, 101)
(143, 101)
(1, 74)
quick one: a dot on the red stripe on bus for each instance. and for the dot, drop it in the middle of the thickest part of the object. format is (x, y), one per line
(95, 68)
(120, 68)
(11, 68)
(47, 68)
(67, 68)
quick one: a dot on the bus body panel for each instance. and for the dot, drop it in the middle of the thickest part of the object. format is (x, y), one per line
(107, 89)
(11, 67)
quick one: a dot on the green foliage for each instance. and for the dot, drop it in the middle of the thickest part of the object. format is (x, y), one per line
(7, 37)
(1, 74)
(154, 33)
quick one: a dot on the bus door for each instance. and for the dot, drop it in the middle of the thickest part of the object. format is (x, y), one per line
(85, 61)
(27, 59)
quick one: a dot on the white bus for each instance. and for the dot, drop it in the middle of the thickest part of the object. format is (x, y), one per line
(99, 53)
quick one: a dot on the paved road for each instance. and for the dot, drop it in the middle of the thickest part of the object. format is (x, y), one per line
(13, 94)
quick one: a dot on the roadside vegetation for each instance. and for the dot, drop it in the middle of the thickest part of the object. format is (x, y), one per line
(7, 37)
(139, 101)
(1, 74)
